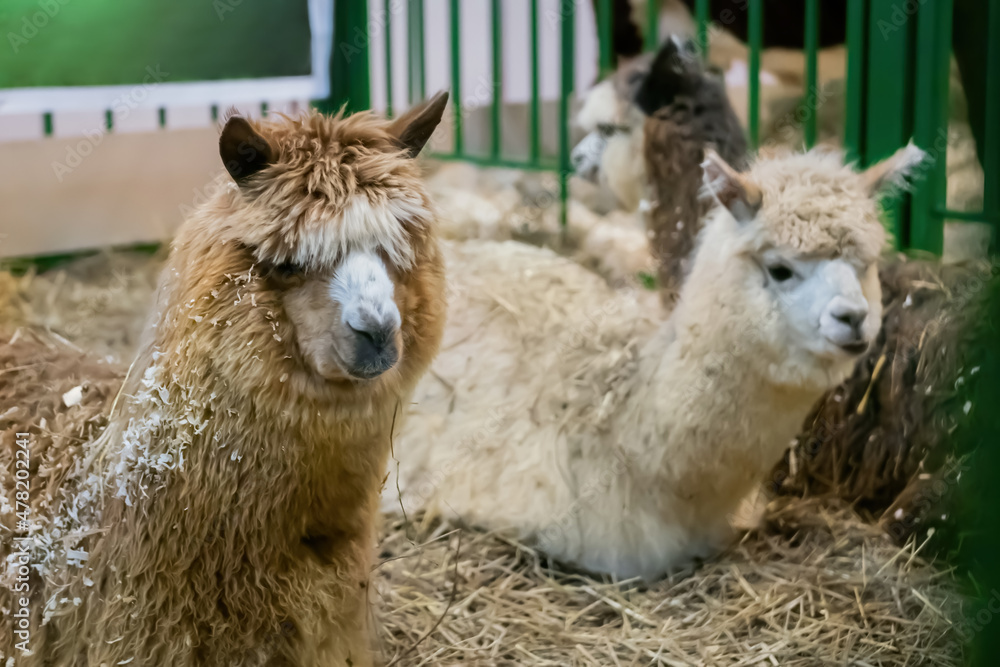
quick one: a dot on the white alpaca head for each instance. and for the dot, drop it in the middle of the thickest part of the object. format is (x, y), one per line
(613, 124)
(614, 113)
(830, 305)
(793, 253)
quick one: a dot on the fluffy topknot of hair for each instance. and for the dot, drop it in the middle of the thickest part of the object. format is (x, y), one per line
(818, 205)
(334, 184)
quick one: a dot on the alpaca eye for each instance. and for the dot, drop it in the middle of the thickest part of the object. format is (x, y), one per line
(779, 273)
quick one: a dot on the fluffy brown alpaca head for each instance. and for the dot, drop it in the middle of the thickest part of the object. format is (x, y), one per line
(329, 221)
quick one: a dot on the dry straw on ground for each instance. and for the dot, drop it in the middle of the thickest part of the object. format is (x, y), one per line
(814, 585)
(99, 301)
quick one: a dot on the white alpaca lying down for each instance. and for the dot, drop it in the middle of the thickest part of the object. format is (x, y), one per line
(560, 411)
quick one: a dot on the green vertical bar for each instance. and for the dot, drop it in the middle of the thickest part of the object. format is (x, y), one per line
(991, 159)
(161, 114)
(411, 51)
(495, 138)
(938, 184)
(812, 78)
(857, 68)
(701, 12)
(889, 109)
(109, 120)
(349, 80)
(568, 59)
(652, 37)
(604, 37)
(534, 110)
(47, 123)
(925, 125)
(388, 57)
(755, 40)
(415, 35)
(456, 76)
(422, 59)
(932, 63)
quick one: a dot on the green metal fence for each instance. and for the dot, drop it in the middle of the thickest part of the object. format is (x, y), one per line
(897, 88)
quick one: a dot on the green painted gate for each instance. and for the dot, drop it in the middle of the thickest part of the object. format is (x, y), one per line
(899, 60)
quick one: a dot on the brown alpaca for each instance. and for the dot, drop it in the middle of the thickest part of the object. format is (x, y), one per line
(226, 515)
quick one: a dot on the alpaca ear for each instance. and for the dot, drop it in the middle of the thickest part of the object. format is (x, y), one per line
(730, 188)
(415, 127)
(894, 173)
(244, 152)
(670, 74)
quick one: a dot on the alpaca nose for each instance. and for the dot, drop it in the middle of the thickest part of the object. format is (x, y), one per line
(852, 314)
(581, 167)
(586, 156)
(842, 324)
(374, 350)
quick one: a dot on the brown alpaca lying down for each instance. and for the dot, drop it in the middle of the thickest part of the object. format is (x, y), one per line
(225, 515)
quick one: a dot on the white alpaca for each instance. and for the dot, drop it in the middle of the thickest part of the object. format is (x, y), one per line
(559, 411)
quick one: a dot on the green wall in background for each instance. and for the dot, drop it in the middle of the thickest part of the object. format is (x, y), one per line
(106, 42)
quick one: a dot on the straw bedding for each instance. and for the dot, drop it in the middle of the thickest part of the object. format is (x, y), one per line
(812, 585)
(99, 301)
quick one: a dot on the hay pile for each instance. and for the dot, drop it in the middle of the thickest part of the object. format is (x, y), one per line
(62, 396)
(813, 586)
(47, 380)
(99, 301)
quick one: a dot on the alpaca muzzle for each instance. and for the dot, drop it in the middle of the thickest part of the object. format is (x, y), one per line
(586, 156)
(364, 290)
(843, 324)
(375, 351)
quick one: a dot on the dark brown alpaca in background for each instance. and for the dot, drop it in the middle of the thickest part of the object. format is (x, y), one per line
(687, 110)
